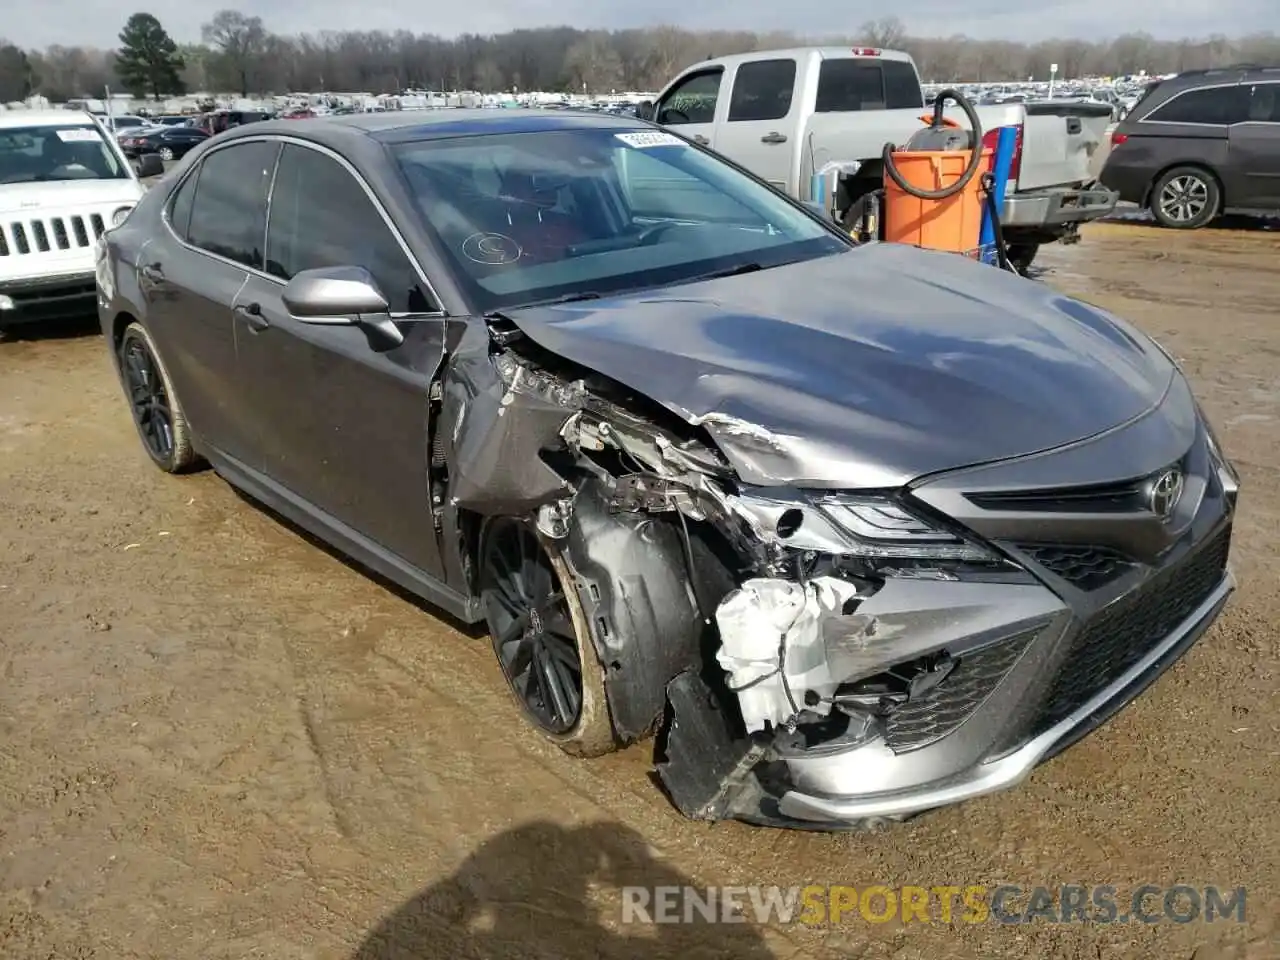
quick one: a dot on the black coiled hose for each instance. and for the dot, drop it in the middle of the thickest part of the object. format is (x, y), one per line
(975, 157)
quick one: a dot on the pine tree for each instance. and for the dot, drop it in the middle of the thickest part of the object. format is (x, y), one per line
(148, 61)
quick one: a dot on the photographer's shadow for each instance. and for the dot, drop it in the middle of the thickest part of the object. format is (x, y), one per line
(527, 894)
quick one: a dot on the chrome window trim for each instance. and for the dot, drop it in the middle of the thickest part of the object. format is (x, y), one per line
(282, 140)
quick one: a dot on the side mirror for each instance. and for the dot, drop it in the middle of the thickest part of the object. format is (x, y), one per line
(340, 296)
(150, 165)
(644, 110)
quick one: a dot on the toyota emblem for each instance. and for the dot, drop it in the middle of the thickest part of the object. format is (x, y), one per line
(1166, 492)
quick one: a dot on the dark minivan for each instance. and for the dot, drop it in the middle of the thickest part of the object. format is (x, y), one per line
(1200, 143)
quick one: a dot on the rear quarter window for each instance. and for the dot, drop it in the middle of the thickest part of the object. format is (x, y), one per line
(1214, 106)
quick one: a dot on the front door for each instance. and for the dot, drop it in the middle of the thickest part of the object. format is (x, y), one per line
(342, 421)
(690, 105)
(757, 131)
(1255, 149)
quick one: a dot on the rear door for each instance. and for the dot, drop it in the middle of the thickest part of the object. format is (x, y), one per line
(1059, 141)
(763, 114)
(191, 275)
(1255, 148)
(343, 421)
(692, 104)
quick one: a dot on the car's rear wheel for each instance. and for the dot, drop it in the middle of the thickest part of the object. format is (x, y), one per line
(1185, 198)
(541, 637)
(1022, 255)
(166, 154)
(157, 414)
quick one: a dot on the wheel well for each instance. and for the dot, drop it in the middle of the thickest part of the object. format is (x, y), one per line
(1194, 165)
(118, 325)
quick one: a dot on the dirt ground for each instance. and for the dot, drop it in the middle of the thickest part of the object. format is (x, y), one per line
(218, 740)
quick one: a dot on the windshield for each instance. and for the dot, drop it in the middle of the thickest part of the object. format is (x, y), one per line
(530, 217)
(41, 154)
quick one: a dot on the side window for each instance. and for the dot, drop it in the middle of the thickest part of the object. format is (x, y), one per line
(901, 86)
(1264, 106)
(321, 217)
(1220, 106)
(693, 100)
(762, 90)
(229, 214)
(180, 204)
(849, 85)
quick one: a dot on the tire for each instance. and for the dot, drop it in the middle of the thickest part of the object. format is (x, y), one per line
(157, 413)
(1022, 255)
(1185, 198)
(558, 625)
(166, 154)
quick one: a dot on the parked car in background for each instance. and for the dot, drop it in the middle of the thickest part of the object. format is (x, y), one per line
(124, 123)
(782, 114)
(171, 143)
(883, 527)
(220, 120)
(1199, 144)
(63, 182)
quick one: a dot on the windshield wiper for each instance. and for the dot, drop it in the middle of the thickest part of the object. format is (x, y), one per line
(730, 272)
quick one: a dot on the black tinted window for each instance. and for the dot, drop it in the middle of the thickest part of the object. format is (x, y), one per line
(1214, 105)
(229, 215)
(762, 90)
(850, 85)
(321, 217)
(693, 101)
(180, 205)
(1264, 107)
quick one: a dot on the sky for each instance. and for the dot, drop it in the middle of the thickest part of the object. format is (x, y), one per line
(97, 22)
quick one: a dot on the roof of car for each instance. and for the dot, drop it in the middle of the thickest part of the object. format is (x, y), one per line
(410, 125)
(42, 118)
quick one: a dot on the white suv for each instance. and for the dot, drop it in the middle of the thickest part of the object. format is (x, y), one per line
(63, 183)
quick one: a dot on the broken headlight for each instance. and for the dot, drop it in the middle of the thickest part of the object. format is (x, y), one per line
(866, 527)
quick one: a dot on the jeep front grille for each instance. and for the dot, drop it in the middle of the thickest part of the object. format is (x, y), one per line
(36, 235)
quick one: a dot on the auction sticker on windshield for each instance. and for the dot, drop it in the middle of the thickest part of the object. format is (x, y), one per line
(650, 138)
(78, 135)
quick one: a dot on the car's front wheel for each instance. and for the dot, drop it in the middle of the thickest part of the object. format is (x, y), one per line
(541, 637)
(1185, 198)
(157, 414)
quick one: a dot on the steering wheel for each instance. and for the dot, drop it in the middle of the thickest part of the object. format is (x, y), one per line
(672, 115)
(650, 235)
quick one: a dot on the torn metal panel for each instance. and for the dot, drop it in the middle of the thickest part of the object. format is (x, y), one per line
(773, 647)
(497, 419)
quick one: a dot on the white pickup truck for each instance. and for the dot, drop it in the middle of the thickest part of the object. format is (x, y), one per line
(63, 182)
(783, 114)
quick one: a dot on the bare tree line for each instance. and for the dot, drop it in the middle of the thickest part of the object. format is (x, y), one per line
(239, 54)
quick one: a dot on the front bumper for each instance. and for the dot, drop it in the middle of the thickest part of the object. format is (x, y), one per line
(1005, 771)
(47, 298)
(1055, 208)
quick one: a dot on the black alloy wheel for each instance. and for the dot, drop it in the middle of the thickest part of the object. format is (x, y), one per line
(156, 411)
(532, 627)
(148, 397)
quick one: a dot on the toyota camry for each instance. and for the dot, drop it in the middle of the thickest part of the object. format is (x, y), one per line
(856, 531)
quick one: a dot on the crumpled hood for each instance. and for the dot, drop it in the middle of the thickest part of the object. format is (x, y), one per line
(59, 195)
(867, 369)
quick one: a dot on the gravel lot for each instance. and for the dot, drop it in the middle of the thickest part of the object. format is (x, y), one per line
(219, 740)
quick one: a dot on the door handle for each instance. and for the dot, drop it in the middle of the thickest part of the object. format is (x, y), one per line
(251, 313)
(152, 273)
(699, 138)
(773, 137)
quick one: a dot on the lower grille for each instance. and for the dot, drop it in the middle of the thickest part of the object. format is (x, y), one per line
(1085, 567)
(1128, 629)
(926, 719)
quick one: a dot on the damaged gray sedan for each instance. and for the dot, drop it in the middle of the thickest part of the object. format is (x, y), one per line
(857, 532)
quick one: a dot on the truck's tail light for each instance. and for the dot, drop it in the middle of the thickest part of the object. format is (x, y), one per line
(866, 51)
(989, 143)
(1117, 139)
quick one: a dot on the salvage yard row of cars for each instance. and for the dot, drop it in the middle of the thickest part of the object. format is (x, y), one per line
(857, 530)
